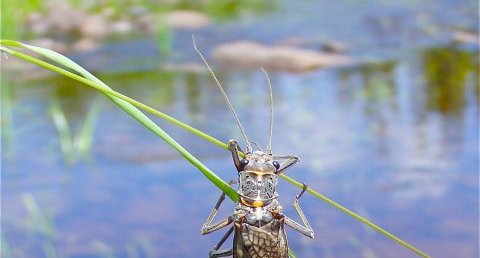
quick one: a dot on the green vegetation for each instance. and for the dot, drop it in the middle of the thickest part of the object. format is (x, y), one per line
(5, 250)
(76, 146)
(6, 114)
(446, 73)
(14, 14)
(40, 223)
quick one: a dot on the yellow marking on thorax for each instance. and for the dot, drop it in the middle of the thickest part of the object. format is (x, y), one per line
(259, 173)
(255, 204)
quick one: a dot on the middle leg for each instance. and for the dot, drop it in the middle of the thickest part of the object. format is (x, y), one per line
(208, 227)
(305, 229)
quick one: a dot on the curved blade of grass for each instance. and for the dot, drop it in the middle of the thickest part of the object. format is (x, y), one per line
(126, 106)
(144, 107)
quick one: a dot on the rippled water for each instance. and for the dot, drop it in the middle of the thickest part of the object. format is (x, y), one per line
(396, 141)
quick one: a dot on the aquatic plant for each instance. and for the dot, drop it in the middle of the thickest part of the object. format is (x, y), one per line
(6, 115)
(141, 247)
(41, 223)
(74, 146)
(5, 250)
(132, 107)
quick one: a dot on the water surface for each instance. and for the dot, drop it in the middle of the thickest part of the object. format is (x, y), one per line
(395, 140)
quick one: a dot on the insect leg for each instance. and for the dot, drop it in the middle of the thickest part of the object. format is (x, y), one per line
(234, 150)
(208, 227)
(222, 253)
(305, 229)
(290, 161)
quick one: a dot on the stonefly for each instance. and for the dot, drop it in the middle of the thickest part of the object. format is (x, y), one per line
(258, 219)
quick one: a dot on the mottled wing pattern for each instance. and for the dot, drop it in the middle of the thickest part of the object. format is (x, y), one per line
(268, 241)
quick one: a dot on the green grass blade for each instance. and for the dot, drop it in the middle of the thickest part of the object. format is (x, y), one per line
(120, 97)
(126, 106)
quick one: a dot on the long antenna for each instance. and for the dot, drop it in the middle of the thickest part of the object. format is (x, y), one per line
(270, 132)
(249, 146)
(258, 146)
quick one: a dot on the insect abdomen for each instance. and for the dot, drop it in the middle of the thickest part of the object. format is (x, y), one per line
(268, 241)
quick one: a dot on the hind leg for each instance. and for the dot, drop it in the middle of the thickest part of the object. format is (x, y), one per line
(221, 253)
(305, 229)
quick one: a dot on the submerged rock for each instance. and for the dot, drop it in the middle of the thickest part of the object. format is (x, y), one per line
(463, 36)
(76, 28)
(121, 27)
(96, 26)
(247, 54)
(50, 43)
(187, 19)
(85, 44)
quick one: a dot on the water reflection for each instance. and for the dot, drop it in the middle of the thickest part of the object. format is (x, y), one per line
(6, 115)
(447, 73)
(75, 144)
(373, 86)
(369, 137)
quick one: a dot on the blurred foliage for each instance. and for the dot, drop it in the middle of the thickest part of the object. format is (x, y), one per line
(5, 250)
(215, 8)
(38, 221)
(6, 114)
(142, 247)
(41, 223)
(14, 14)
(227, 9)
(446, 73)
(102, 249)
(378, 81)
(163, 36)
(74, 146)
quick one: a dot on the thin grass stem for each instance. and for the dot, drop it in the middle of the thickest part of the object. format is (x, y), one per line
(121, 101)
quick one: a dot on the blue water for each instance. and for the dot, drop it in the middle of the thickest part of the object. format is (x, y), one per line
(395, 140)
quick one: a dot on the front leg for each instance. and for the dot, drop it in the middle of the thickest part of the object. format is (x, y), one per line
(305, 229)
(290, 161)
(234, 150)
(208, 227)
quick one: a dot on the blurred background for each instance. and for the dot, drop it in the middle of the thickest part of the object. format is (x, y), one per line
(379, 98)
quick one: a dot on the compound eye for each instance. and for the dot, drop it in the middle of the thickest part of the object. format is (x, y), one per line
(243, 163)
(276, 164)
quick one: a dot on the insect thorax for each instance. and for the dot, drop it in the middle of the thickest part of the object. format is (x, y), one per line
(258, 181)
